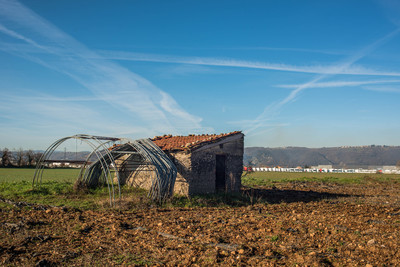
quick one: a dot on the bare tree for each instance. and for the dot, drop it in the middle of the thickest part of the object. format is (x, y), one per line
(29, 155)
(6, 158)
(37, 156)
(20, 157)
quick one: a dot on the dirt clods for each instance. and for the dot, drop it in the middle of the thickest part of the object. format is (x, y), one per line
(294, 224)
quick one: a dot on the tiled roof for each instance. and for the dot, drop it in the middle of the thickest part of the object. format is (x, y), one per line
(169, 142)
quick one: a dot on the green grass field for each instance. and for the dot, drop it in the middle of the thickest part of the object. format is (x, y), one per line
(57, 188)
(269, 178)
(11, 175)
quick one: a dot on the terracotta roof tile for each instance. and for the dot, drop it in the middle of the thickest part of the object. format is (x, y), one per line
(169, 142)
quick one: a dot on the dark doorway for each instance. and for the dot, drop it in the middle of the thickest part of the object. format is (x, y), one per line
(220, 173)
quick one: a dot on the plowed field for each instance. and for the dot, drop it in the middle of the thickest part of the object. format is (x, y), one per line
(295, 223)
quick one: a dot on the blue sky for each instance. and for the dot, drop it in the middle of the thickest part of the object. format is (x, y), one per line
(286, 73)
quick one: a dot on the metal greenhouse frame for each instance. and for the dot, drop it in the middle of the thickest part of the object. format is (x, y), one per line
(106, 151)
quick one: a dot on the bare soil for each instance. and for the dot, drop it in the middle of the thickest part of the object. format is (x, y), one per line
(304, 224)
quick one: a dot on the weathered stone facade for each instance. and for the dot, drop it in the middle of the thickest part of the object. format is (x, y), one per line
(212, 163)
(133, 174)
(197, 169)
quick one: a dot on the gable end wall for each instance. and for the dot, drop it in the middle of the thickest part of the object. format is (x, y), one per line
(197, 170)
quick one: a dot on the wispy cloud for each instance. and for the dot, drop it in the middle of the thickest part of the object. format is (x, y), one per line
(234, 63)
(24, 110)
(38, 97)
(338, 84)
(133, 95)
(383, 89)
(273, 109)
(392, 10)
(18, 36)
(185, 70)
(43, 113)
(292, 49)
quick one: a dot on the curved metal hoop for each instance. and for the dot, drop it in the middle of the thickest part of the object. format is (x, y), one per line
(162, 183)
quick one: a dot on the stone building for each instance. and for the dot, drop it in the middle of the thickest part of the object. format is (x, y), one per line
(205, 163)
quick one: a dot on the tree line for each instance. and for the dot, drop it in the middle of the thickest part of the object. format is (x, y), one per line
(19, 158)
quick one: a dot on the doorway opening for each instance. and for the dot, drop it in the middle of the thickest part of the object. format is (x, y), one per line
(220, 173)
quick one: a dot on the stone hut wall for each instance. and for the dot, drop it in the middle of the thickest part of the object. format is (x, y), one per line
(143, 176)
(197, 169)
(133, 175)
(204, 167)
(183, 163)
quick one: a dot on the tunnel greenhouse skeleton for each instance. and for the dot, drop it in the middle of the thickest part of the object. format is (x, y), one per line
(118, 153)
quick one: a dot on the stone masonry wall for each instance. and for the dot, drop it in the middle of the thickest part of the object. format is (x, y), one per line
(197, 170)
(133, 175)
(182, 161)
(143, 176)
(203, 161)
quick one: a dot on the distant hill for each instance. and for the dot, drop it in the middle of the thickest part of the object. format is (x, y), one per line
(61, 155)
(339, 157)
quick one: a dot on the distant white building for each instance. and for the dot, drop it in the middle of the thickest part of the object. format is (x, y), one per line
(322, 167)
(390, 168)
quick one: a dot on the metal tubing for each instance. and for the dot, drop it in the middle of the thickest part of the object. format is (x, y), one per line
(162, 177)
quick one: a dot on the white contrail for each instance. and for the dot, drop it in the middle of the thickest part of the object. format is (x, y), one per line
(271, 110)
(136, 97)
(234, 63)
(339, 84)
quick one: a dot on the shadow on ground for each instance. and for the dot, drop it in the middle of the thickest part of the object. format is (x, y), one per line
(250, 196)
(275, 195)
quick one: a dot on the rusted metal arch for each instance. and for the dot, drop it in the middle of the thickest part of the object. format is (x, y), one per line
(162, 182)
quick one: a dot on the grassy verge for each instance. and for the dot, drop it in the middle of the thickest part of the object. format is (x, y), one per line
(53, 193)
(57, 189)
(255, 179)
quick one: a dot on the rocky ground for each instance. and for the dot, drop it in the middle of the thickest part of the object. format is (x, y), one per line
(295, 224)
